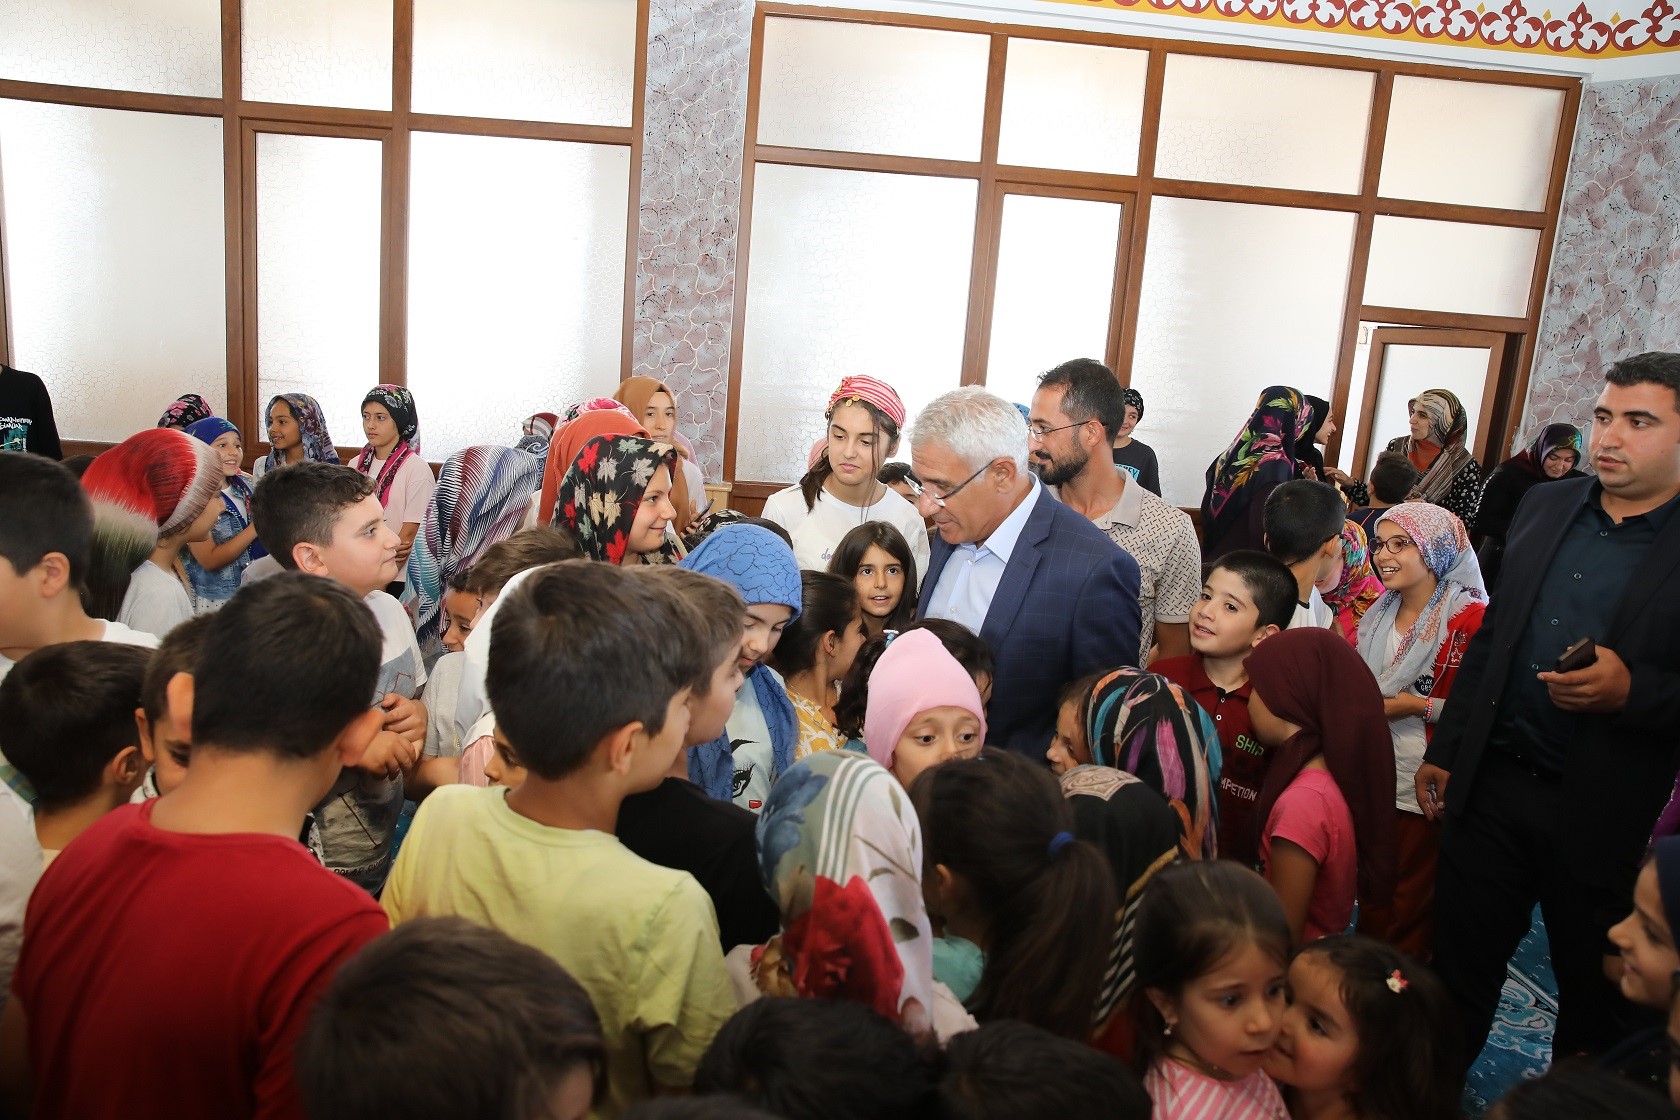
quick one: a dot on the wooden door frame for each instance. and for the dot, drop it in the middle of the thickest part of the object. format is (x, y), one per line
(1384, 337)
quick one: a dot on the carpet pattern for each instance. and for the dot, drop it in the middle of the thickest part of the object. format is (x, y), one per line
(1520, 1046)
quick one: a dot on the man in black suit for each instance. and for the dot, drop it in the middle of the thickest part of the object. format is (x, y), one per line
(1549, 781)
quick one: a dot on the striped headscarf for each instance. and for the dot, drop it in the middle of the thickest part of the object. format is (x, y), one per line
(1144, 724)
(399, 402)
(872, 391)
(480, 498)
(1448, 427)
(318, 446)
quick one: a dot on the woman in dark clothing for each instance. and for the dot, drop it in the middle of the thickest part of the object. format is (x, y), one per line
(1259, 460)
(1554, 454)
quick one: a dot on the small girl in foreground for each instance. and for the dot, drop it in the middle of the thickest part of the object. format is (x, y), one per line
(1211, 951)
(1368, 1033)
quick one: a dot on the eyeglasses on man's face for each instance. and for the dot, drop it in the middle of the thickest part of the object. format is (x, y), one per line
(1038, 432)
(939, 500)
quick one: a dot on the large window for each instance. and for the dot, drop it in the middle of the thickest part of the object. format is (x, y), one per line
(939, 202)
(425, 192)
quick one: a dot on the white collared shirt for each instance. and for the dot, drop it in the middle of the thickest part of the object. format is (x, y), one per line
(971, 576)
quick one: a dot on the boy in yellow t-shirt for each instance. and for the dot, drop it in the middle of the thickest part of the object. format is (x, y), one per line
(589, 676)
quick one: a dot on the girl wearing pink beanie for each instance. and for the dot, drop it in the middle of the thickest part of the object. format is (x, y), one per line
(923, 708)
(152, 494)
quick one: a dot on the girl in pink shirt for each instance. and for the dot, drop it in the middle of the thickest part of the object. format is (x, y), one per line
(1211, 950)
(1326, 808)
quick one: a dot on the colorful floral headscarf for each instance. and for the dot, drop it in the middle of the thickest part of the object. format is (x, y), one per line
(480, 498)
(399, 402)
(840, 850)
(185, 411)
(1358, 586)
(1440, 539)
(312, 429)
(1553, 437)
(1264, 451)
(1144, 724)
(602, 491)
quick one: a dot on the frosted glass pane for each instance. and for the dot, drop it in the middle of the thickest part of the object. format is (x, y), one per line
(859, 87)
(520, 309)
(318, 52)
(1072, 106)
(1470, 142)
(851, 272)
(114, 260)
(1235, 298)
(1409, 370)
(1450, 266)
(318, 274)
(1055, 288)
(1265, 124)
(532, 60)
(151, 46)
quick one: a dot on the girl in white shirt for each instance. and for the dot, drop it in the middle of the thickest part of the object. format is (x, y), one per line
(840, 491)
(403, 481)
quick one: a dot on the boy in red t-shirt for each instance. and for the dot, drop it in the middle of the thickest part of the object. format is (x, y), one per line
(1247, 597)
(172, 953)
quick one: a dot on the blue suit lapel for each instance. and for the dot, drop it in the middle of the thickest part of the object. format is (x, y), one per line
(1018, 574)
(936, 564)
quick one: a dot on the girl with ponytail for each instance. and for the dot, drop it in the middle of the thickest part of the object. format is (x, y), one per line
(1002, 869)
(840, 491)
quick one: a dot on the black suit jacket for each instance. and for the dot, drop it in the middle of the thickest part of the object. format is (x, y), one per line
(1620, 772)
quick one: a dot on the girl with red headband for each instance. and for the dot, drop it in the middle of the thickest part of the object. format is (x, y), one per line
(840, 491)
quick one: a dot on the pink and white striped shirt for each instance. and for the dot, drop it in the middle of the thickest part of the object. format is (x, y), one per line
(1181, 1093)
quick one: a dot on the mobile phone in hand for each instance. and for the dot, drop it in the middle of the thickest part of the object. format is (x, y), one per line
(1578, 656)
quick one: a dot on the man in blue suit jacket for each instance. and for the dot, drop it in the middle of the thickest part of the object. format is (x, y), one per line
(1052, 595)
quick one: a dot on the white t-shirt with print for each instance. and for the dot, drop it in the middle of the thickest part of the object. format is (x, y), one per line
(817, 532)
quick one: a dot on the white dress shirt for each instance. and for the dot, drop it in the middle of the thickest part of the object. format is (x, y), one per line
(971, 576)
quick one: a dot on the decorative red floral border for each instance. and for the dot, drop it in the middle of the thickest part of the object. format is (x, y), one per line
(1513, 27)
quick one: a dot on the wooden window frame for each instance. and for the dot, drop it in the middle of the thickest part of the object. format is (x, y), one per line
(395, 126)
(1141, 188)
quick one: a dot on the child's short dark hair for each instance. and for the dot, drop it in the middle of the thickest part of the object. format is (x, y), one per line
(897, 472)
(1392, 477)
(1192, 915)
(1007, 1069)
(1079, 691)
(829, 603)
(285, 666)
(177, 653)
(848, 558)
(461, 581)
(608, 643)
(511, 1020)
(780, 1054)
(43, 509)
(68, 710)
(715, 608)
(1269, 581)
(1407, 1039)
(1581, 1090)
(1300, 516)
(300, 504)
(526, 549)
(994, 820)
(963, 644)
(78, 464)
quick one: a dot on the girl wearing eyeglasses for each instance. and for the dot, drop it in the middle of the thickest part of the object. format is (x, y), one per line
(1413, 639)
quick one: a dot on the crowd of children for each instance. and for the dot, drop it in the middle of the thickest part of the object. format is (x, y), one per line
(544, 790)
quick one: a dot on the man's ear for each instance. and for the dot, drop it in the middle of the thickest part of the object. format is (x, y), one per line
(180, 693)
(1007, 473)
(352, 743)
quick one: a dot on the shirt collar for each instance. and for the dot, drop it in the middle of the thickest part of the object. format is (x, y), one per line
(1657, 517)
(1004, 538)
(1128, 511)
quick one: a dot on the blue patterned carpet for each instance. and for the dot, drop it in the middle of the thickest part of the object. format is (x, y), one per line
(1521, 1043)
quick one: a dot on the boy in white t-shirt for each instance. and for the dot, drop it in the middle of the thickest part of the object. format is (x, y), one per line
(1303, 522)
(324, 520)
(46, 535)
